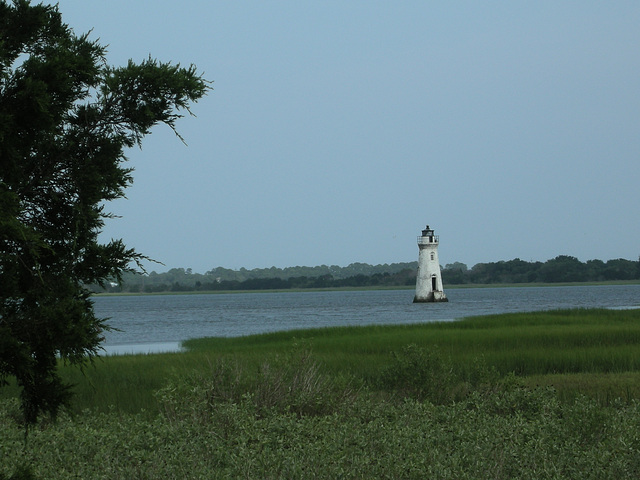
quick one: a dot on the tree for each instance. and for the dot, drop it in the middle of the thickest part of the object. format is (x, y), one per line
(620, 269)
(66, 118)
(454, 273)
(563, 268)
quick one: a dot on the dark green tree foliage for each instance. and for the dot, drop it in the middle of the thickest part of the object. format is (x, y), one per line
(66, 118)
(562, 268)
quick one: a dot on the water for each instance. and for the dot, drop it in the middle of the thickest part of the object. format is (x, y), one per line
(160, 322)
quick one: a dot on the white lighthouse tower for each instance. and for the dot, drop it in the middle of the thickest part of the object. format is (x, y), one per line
(429, 281)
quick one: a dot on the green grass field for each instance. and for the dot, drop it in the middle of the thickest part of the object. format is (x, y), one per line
(596, 352)
(532, 395)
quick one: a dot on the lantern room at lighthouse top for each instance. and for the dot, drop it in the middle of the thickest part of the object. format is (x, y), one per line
(427, 237)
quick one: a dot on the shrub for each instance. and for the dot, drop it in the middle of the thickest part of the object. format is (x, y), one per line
(22, 472)
(424, 374)
(292, 384)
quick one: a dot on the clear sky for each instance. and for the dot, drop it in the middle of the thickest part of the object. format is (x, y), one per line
(337, 130)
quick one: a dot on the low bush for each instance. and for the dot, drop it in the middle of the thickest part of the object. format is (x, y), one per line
(426, 374)
(511, 433)
(290, 384)
(21, 472)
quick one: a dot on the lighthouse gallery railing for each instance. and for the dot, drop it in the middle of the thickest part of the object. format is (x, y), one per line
(427, 240)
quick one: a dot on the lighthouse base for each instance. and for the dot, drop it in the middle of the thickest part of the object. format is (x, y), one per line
(431, 297)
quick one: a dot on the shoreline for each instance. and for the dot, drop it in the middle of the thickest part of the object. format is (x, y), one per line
(357, 289)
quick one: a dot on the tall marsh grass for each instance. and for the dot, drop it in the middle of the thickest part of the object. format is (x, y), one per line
(556, 344)
(439, 400)
(564, 342)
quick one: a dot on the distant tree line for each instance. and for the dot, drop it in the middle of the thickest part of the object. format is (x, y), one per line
(561, 269)
(351, 270)
(557, 270)
(222, 279)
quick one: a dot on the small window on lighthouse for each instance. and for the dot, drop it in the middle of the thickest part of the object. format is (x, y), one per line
(433, 256)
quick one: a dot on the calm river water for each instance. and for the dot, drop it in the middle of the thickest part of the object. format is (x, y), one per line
(151, 323)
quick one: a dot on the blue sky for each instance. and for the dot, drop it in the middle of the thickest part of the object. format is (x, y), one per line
(337, 130)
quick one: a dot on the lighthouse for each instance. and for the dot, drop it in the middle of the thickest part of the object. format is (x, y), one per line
(429, 280)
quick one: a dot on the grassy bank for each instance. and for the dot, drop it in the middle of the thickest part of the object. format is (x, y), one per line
(528, 395)
(596, 352)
